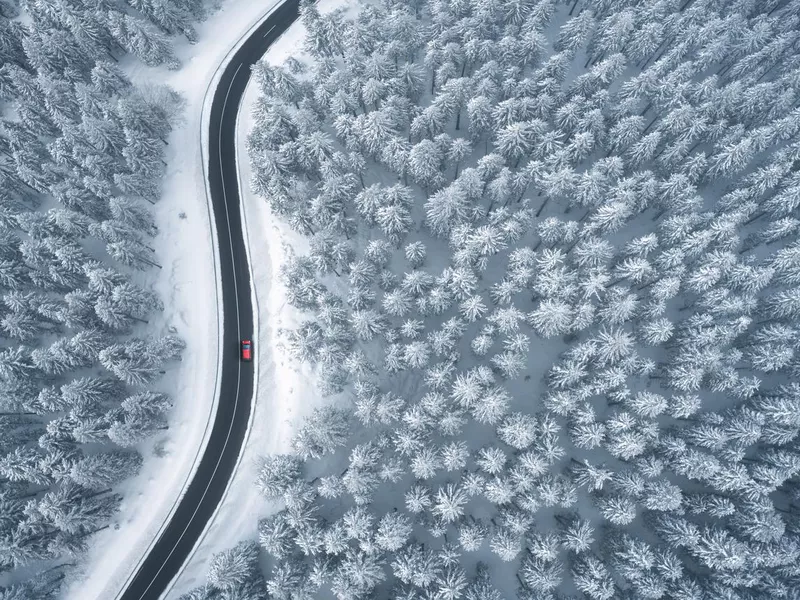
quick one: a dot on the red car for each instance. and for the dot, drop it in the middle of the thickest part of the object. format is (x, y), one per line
(247, 353)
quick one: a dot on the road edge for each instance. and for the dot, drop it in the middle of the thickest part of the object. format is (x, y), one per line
(203, 141)
(205, 120)
(205, 117)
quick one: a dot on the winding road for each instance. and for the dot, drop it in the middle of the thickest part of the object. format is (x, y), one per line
(216, 467)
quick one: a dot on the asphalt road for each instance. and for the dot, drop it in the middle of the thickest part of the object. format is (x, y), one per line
(236, 386)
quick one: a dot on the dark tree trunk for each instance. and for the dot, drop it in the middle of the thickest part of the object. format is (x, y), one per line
(650, 124)
(667, 40)
(541, 208)
(100, 493)
(755, 218)
(93, 531)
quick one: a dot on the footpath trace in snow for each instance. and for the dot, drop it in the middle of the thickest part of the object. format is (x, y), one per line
(236, 387)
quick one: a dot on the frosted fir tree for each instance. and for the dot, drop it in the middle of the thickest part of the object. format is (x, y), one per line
(393, 531)
(141, 40)
(129, 429)
(237, 569)
(277, 473)
(51, 50)
(175, 18)
(275, 535)
(101, 471)
(74, 511)
(146, 404)
(130, 213)
(138, 362)
(132, 254)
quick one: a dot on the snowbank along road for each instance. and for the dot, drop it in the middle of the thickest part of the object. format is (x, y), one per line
(236, 386)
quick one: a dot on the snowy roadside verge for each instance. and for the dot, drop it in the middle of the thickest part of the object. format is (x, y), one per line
(254, 296)
(284, 392)
(190, 288)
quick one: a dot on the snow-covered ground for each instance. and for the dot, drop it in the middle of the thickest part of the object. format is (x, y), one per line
(188, 285)
(284, 390)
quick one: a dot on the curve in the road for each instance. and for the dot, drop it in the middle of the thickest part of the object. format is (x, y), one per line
(216, 467)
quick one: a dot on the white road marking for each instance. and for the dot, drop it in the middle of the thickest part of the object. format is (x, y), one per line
(270, 29)
(238, 335)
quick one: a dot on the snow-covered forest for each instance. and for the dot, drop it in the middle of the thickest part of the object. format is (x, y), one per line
(81, 159)
(552, 286)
